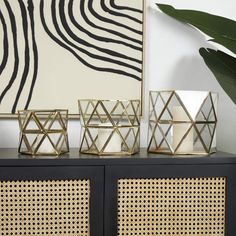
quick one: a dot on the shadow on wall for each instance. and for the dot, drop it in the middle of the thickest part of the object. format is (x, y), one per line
(192, 75)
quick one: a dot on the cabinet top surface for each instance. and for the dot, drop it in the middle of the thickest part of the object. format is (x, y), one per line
(10, 157)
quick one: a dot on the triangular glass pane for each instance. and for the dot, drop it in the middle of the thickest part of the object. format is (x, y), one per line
(99, 115)
(161, 138)
(30, 142)
(212, 116)
(23, 117)
(151, 135)
(109, 140)
(153, 96)
(63, 120)
(135, 114)
(137, 139)
(24, 144)
(46, 146)
(62, 143)
(207, 133)
(206, 112)
(89, 141)
(174, 111)
(129, 135)
(46, 118)
(201, 116)
(167, 131)
(158, 103)
(111, 106)
(34, 139)
(32, 124)
(192, 100)
(213, 145)
(63, 115)
(215, 98)
(57, 124)
(120, 114)
(130, 114)
(182, 139)
(198, 145)
(86, 108)
(56, 138)
(165, 96)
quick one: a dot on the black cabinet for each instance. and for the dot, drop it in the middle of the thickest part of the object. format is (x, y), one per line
(144, 194)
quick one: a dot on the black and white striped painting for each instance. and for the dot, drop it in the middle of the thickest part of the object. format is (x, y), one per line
(53, 52)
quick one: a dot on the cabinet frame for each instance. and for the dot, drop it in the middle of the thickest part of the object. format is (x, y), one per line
(114, 173)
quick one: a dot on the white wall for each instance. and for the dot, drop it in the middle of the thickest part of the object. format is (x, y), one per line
(172, 62)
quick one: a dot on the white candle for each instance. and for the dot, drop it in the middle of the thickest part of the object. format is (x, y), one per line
(179, 130)
(114, 145)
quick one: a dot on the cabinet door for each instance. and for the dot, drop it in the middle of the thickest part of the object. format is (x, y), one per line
(170, 200)
(51, 201)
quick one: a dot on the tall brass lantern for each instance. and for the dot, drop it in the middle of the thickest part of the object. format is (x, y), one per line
(182, 122)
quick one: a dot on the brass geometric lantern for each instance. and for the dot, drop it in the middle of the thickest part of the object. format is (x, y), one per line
(43, 132)
(182, 122)
(110, 127)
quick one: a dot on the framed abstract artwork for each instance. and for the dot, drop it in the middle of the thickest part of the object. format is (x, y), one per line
(54, 52)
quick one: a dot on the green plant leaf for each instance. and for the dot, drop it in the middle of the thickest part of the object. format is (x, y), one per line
(223, 66)
(221, 29)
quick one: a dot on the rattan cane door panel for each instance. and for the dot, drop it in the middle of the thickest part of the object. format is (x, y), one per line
(43, 208)
(51, 200)
(171, 206)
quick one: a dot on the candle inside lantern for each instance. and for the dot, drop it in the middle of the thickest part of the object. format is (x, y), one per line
(114, 144)
(179, 130)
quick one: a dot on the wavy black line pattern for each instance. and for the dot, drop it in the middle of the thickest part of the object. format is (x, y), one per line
(16, 55)
(97, 37)
(114, 5)
(26, 55)
(16, 29)
(35, 52)
(83, 42)
(65, 46)
(17, 21)
(121, 35)
(104, 19)
(5, 44)
(115, 13)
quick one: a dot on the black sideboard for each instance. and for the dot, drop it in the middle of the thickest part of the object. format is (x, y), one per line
(143, 194)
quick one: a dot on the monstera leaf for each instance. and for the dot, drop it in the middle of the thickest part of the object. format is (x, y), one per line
(223, 67)
(222, 31)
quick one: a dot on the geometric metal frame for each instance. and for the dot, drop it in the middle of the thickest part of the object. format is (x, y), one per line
(120, 118)
(47, 124)
(156, 122)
